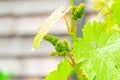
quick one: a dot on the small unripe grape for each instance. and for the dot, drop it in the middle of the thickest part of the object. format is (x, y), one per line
(59, 46)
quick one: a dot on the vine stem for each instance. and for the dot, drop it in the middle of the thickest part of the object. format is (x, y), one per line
(71, 2)
(73, 25)
(74, 37)
(66, 21)
(77, 71)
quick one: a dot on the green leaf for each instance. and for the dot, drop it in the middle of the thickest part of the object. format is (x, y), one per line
(4, 76)
(109, 21)
(99, 52)
(116, 11)
(62, 72)
(96, 33)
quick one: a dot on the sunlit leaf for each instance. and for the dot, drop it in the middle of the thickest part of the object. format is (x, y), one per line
(99, 52)
(62, 72)
(109, 21)
(116, 12)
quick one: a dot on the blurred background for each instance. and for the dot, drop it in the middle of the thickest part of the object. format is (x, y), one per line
(19, 21)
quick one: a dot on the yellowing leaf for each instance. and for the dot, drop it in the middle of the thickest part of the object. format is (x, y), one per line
(99, 5)
(47, 25)
(96, 1)
(102, 12)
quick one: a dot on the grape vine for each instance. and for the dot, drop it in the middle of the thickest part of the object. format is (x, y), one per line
(95, 55)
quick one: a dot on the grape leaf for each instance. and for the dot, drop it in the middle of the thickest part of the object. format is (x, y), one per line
(99, 52)
(116, 13)
(62, 72)
(109, 20)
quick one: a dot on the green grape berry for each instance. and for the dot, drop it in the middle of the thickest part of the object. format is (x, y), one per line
(66, 45)
(63, 53)
(54, 53)
(62, 48)
(73, 8)
(59, 46)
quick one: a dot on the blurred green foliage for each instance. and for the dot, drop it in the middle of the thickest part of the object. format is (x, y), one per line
(4, 76)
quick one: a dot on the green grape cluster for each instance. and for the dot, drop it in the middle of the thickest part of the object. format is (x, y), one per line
(62, 48)
(77, 11)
